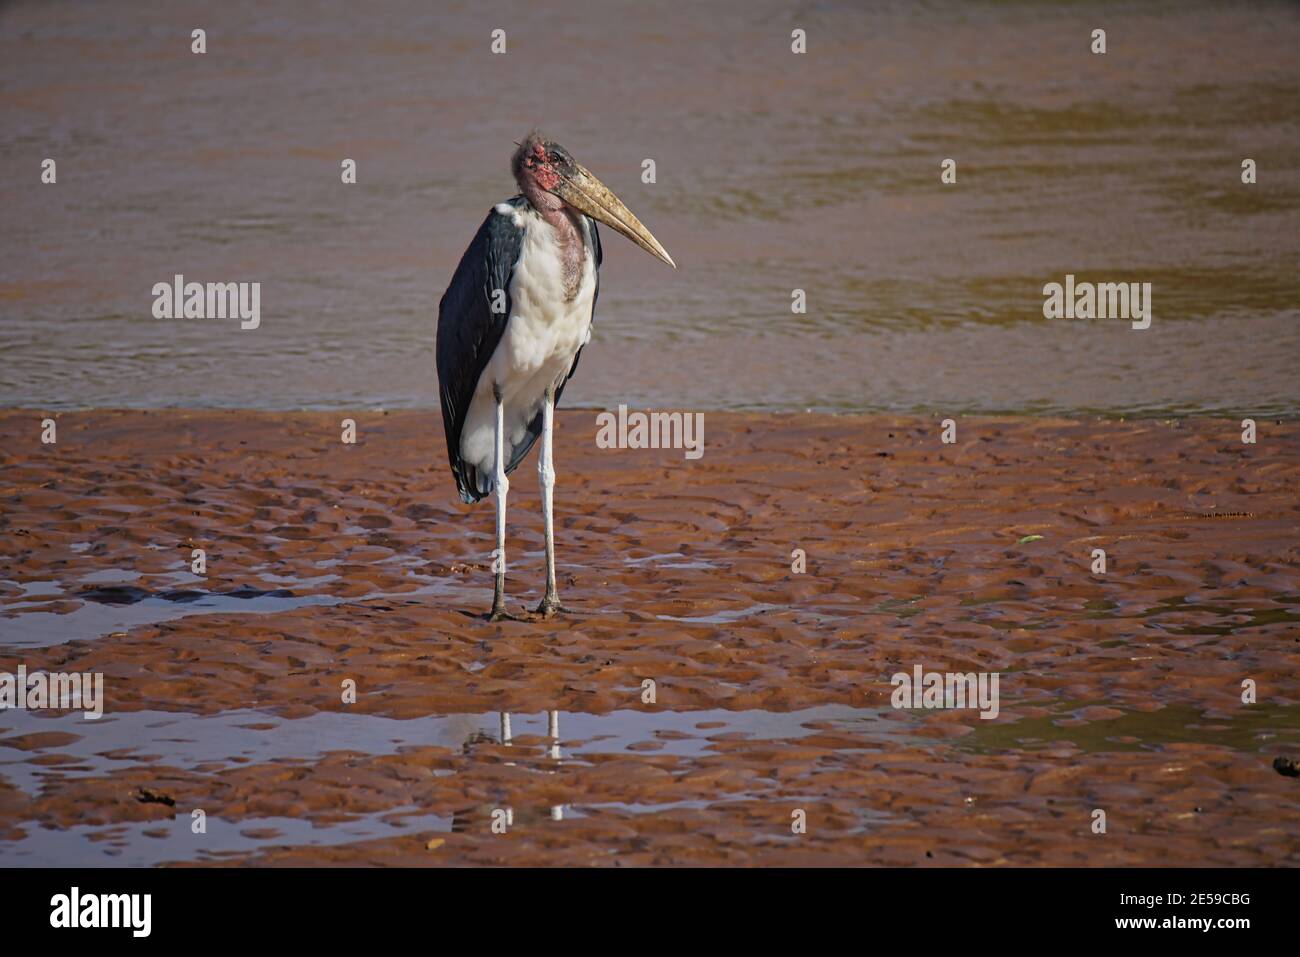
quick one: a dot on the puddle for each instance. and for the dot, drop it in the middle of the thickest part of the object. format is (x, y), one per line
(183, 740)
(724, 617)
(179, 739)
(545, 740)
(669, 560)
(109, 608)
(150, 843)
(39, 589)
(113, 608)
(110, 575)
(311, 581)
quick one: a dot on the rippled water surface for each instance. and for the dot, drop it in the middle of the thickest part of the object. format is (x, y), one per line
(774, 172)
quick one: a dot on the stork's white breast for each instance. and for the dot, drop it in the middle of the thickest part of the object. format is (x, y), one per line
(543, 334)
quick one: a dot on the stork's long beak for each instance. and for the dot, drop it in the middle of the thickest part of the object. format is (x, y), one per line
(584, 192)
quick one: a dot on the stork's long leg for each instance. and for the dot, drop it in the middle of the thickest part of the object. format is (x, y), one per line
(501, 484)
(553, 732)
(546, 471)
(505, 739)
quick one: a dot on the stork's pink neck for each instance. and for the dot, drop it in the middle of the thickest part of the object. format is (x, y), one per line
(568, 235)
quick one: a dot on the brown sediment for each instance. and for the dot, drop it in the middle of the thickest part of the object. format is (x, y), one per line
(1120, 692)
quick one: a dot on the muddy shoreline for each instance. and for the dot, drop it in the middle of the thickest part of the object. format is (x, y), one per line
(328, 562)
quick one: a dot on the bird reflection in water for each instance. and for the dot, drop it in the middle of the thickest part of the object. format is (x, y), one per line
(476, 818)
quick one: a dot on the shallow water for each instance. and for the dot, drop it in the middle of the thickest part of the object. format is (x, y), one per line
(71, 746)
(38, 752)
(178, 739)
(150, 843)
(774, 172)
(98, 612)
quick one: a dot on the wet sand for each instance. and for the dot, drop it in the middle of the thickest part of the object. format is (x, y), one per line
(328, 562)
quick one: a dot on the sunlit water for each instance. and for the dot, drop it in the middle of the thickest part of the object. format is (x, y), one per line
(115, 743)
(774, 172)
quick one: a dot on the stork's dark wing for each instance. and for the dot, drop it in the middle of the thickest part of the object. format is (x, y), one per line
(469, 331)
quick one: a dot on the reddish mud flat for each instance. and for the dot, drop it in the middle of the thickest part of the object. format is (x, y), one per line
(1119, 692)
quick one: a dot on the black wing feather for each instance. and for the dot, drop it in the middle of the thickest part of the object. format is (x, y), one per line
(469, 331)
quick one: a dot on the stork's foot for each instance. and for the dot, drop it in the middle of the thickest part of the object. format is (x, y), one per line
(499, 613)
(550, 607)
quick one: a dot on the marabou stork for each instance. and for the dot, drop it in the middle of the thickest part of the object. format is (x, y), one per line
(512, 325)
